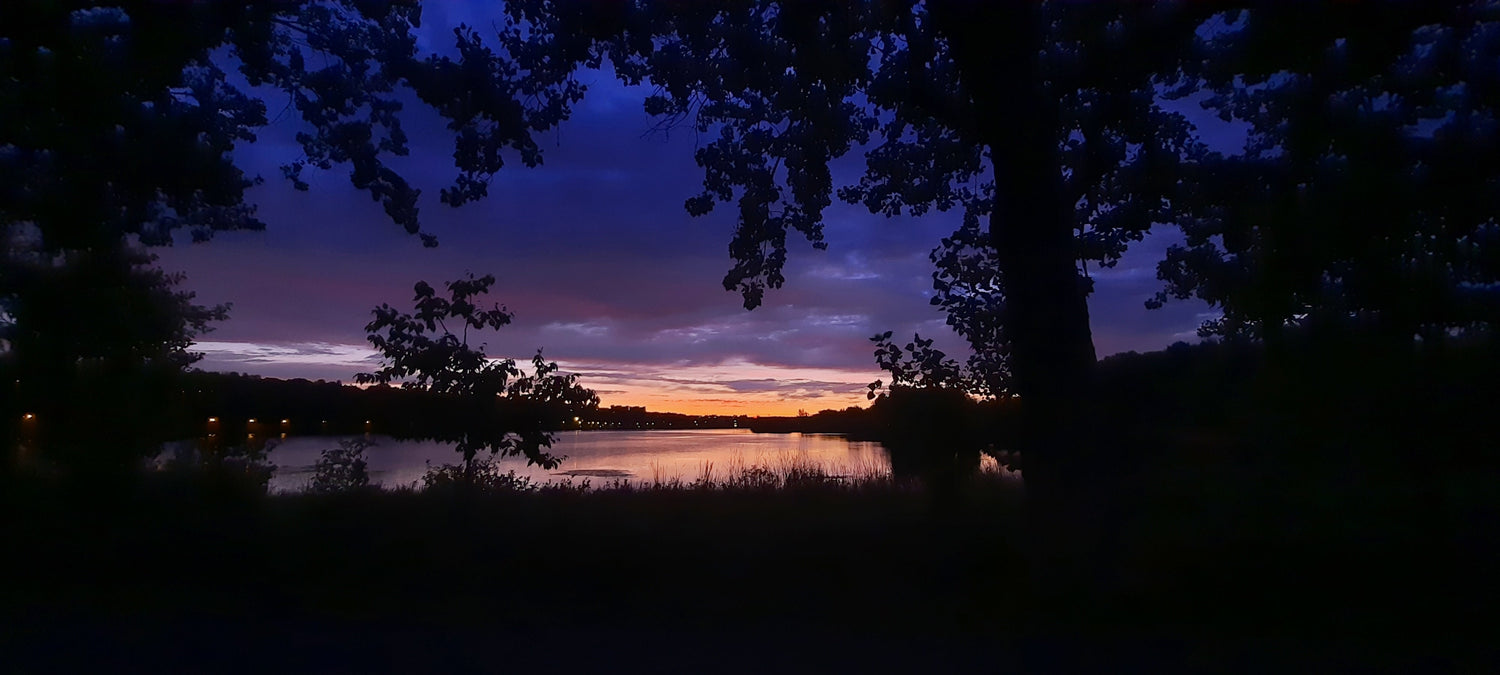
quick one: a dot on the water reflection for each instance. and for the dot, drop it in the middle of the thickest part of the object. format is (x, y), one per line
(602, 456)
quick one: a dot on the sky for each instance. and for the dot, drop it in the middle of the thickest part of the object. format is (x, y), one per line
(603, 269)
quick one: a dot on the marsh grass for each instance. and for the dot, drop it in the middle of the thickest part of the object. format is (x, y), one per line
(783, 472)
(783, 543)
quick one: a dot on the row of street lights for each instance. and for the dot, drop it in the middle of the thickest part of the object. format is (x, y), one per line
(285, 422)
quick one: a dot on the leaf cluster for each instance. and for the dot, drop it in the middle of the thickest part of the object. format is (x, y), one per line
(918, 365)
(421, 351)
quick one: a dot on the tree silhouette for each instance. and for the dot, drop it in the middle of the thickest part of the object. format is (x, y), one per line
(491, 404)
(118, 122)
(918, 366)
(106, 333)
(925, 413)
(1040, 117)
(1368, 187)
(342, 469)
(122, 117)
(1045, 120)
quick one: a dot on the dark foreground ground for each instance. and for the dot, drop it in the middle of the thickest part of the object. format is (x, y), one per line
(1200, 577)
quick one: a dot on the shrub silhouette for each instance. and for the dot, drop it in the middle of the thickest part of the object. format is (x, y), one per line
(342, 469)
(236, 472)
(481, 475)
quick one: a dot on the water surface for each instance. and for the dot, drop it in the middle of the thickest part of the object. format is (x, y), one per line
(601, 456)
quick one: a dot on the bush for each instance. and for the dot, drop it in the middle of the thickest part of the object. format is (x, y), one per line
(482, 475)
(342, 469)
(239, 471)
(249, 468)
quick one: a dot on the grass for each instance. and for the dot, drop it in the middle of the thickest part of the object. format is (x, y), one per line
(787, 471)
(789, 552)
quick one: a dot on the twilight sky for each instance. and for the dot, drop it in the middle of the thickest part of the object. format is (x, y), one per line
(603, 268)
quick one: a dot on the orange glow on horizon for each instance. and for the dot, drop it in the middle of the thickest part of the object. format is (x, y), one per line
(666, 404)
(734, 388)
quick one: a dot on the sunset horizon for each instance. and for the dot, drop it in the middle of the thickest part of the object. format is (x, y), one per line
(732, 387)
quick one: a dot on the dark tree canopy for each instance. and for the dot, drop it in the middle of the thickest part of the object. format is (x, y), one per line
(120, 117)
(122, 328)
(118, 120)
(782, 89)
(1370, 183)
(117, 127)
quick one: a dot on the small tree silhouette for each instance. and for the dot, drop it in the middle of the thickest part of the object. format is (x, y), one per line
(342, 469)
(925, 411)
(491, 403)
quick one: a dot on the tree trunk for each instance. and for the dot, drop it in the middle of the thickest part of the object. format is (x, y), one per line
(1070, 512)
(997, 47)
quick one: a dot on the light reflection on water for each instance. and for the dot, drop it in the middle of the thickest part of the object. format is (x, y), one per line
(602, 456)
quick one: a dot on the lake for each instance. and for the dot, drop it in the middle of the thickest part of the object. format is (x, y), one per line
(600, 456)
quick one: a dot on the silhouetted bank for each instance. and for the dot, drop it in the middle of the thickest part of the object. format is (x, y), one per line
(1329, 403)
(233, 405)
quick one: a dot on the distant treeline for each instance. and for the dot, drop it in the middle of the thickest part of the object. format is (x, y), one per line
(312, 407)
(637, 417)
(232, 405)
